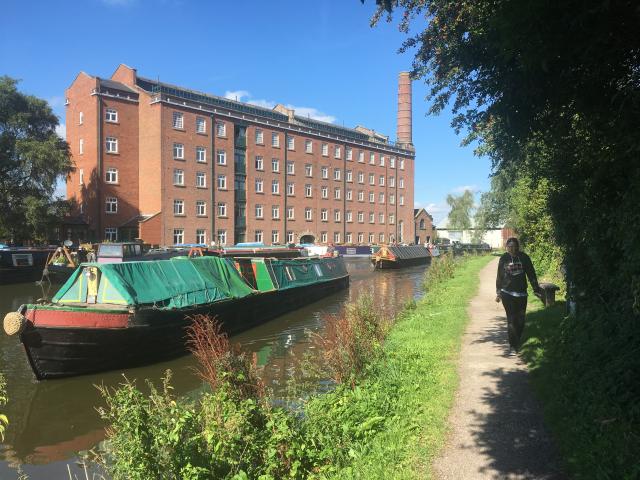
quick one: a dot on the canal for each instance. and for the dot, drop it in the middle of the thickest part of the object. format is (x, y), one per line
(51, 421)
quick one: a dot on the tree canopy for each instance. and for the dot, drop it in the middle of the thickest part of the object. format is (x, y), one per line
(460, 213)
(32, 158)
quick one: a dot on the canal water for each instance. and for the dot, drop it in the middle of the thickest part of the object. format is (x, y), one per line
(51, 421)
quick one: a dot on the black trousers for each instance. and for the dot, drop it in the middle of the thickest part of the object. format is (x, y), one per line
(516, 309)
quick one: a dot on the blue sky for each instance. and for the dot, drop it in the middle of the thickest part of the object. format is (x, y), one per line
(320, 56)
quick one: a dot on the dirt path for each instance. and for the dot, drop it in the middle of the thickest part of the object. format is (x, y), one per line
(496, 425)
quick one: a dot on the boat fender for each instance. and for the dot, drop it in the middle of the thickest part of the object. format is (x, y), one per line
(14, 322)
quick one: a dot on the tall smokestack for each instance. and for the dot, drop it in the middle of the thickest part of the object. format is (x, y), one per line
(404, 110)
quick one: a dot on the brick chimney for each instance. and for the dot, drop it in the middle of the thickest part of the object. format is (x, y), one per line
(404, 111)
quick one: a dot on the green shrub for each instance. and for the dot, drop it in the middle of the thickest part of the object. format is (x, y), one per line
(441, 269)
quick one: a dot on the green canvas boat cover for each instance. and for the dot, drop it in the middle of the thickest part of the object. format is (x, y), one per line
(304, 271)
(176, 283)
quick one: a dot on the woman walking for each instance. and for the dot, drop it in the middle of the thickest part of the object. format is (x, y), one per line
(511, 287)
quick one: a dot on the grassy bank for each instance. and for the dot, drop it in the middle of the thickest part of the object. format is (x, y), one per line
(394, 422)
(594, 424)
(385, 418)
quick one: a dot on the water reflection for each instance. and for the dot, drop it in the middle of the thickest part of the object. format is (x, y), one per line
(52, 420)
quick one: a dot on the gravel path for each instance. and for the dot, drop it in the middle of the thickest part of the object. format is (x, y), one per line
(496, 426)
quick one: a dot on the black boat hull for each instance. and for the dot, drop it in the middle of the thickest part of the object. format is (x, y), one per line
(383, 264)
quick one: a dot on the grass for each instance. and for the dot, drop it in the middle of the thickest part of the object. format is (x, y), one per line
(411, 393)
(595, 434)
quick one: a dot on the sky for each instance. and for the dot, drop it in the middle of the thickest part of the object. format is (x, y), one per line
(321, 57)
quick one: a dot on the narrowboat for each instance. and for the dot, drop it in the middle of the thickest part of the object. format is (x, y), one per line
(354, 250)
(399, 256)
(22, 264)
(112, 316)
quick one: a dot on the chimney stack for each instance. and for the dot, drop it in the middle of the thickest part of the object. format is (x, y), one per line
(404, 111)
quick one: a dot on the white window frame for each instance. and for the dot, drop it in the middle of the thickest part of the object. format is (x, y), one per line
(111, 205)
(222, 236)
(201, 208)
(275, 236)
(275, 187)
(308, 190)
(372, 179)
(275, 140)
(258, 162)
(291, 142)
(372, 217)
(361, 195)
(201, 236)
(360, 237)
(372, 238)
(401, 199)
(337, 174)
(111, 234)
(402, 164)
(80, 118)
(336, 237)
(275, 212)
(178, 207)
(349, 194)
(259, 136)
(323, 237)
(360, 156)
(337, 151)
(360, 217)
(221, 182)
(372, 197)
(324, 173)
(111, 145)
(291, 189)
(178, 121)
(349, 152)
(349, 216)
(259, 185)
(381, 181)
(110, 115)
(259, 236)
(372, 158)
(259, 210)
(178, 177)
(337, 193)
(81, 146)
(325, 149)
(201, 125)
(290, 236)
(349, 237)
(336, 215)
(324, 215)
(291, 213)
(324, 191)
(381, 197)
(349, 176)
(291, 168)
(178, 151)
(361, 178)
(275, 165)
(392, 162)
(308, 213)
(308, 146)
(221, 129)
(111, 175)
(201, 180)
(201, 154)
(381, 218)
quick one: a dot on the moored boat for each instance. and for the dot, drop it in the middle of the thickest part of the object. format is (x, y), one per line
(22, 264)
(122, 315)
(399, 256)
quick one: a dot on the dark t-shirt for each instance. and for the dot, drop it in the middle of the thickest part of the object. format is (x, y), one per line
(512, 272)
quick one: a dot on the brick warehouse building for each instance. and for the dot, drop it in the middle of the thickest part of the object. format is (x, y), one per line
(171, 165)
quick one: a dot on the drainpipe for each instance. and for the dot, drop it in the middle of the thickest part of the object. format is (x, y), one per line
(344, 192)
(214, 181)
(100, 153)
(286, 147)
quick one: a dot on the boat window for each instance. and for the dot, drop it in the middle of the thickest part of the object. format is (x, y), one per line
(318, 270)
(111, 251)
(22, 259)
(138, 249)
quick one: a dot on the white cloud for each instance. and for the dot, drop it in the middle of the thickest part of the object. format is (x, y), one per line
(245, 96)
(61, 130)
(464, 188)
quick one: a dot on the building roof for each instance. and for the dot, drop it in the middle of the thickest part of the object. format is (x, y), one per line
(116, 85)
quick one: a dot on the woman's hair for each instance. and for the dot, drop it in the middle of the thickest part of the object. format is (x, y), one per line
(513, 240)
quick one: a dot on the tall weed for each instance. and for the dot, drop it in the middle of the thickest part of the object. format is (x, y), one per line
(442, 268)
(4, 421)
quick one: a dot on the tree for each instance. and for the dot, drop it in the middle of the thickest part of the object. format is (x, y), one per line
(460, 214)
(32, 158)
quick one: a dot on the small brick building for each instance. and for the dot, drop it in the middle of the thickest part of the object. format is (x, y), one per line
(423, 226)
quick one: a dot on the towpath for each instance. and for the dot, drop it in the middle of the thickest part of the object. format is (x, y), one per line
(496, 427)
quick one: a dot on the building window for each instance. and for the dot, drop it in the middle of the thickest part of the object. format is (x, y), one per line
(290, 237)
(308, 190)
(275, 165)
(381, 197)
(291, 142)
(201, 125)
(259, 137)
(201, 237)
(349, 237)
(381, 238)
(80, 118)
(372, 217)
(336, 215)
(259, 185)
(325, 150)
(222, 182)
(111, 205)
(290, 189)
(349, 194)
(221, 131)
(258, 237)
(372, 197)
(336, 193)
(308, 146)
(275, 212)
(360, 237)
(178, 176)
(111, 234)
(392, 162)
(259, 211)
(402, 164)
(324, 191)
(81, 147)
(178, 120)
(372, 158)
(178, 207)
(290, 213)
(371, 238)
(308, 213)
(336, 237)
(336, 174)
(291, 169)
(381, 181)
(392, 218)
(372, 179)
(201, 180)
(337, 152)
(349, 176)
(222, 237)
(325, 172)
(111, 115)
(392, 181)
(275, 236)
(259, 163)
(81, 176)
(392, 199)
(201, 208)
(382, 160)
(324, 215)
(275, 187)
(201, 155)
(323, 237)
(361, 156)
(112, 145)
(401, 183)
(360, 217)
(360, 177)
(360, 196)
(401, 199)
(275, 140)
(349, 153)
(349, 216)
(178, 151)
(112, 175)
(381, 218)
(308, 170)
